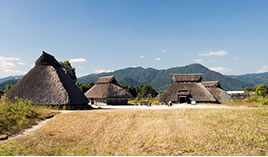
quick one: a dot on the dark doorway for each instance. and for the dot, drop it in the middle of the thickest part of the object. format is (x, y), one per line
(92, 101)
(183, 99)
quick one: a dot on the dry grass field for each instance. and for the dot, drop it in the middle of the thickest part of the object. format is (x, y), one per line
(148, 132)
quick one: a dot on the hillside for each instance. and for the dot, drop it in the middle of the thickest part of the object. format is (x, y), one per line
(11, 82)
(161, 79)
(254, 79)
(10, 78)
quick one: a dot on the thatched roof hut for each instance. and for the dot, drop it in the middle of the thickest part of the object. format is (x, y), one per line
(188, 87)
(47, 84)
(107, 91)
(216, 90)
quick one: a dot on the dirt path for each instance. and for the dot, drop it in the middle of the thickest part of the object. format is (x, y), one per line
(33, 128)
(180, 106)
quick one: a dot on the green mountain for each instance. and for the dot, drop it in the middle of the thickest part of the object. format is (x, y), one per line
(10, 78)
(11, 82)
(254, 79)
(161, 79)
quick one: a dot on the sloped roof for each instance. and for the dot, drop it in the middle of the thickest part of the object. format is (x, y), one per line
(107, 87)
(106, 79)
(187, 77)
(47, 84)
(211, 83)
(196, 90)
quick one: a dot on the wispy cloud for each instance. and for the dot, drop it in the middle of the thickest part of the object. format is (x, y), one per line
(164, 50)
(103, 71)
(263, 69)
(77, 60)
(198, 60)
(9, 58)
(236, 58)
(157, 59)
(21, 63)
(141, 57)
(221, 69)
(211, 60)
(214, 53)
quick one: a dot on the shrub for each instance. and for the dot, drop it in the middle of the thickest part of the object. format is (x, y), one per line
(16, 116)
(262, 90)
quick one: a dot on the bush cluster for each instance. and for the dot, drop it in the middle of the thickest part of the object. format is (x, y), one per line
(16, 116)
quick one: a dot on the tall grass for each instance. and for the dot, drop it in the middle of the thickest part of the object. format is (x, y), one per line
(259, 99)
(19, 115)
(193, 132)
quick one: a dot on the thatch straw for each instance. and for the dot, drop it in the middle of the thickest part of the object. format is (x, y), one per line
(107, 87)
(192, 87)
(47, 84)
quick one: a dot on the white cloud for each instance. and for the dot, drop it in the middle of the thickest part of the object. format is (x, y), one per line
(9, 58)
(211, 60)
(8, 66)
(141, 57)
(77, 60)
(164, 50)
(103, 71)
(236, 58)
(14, 72)
(21, 63)
(198, 60)
(157, 59)
(214, 53)
(263, 69)
(221, 69)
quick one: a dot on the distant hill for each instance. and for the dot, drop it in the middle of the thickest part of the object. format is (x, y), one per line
(11, 82)
(10, 78)
(161, 79)
(254, 79)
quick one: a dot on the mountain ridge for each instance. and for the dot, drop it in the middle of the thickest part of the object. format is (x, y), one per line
(161, 79)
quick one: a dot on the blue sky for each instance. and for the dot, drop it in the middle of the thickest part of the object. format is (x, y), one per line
(228, 36)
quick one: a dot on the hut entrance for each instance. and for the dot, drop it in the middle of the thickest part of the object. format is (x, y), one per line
(183, 96)
(92, 101)
(183, 99)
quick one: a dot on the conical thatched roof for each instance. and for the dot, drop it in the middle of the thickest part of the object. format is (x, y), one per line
(107, 87)
(47, 84)
(215, 89)
(190, 85)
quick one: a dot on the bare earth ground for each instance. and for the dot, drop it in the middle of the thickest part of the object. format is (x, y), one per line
(177, 130)
(176, 106)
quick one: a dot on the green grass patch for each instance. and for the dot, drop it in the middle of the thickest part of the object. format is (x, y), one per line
(19, 115)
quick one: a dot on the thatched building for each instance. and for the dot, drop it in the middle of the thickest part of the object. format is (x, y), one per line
(188, 87)
(47, 84)
(107, 91)
(216, 90)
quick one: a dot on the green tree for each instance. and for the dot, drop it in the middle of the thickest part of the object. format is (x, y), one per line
(84, 87)
(69, 70)
(262, 90)
(250, 89)
(147, 91)
(1, 92)
(8, 86)
(131, 89)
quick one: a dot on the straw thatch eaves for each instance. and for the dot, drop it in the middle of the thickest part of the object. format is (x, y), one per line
(215, 89)
(187, 87)
(47, 84)
(107, 91)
